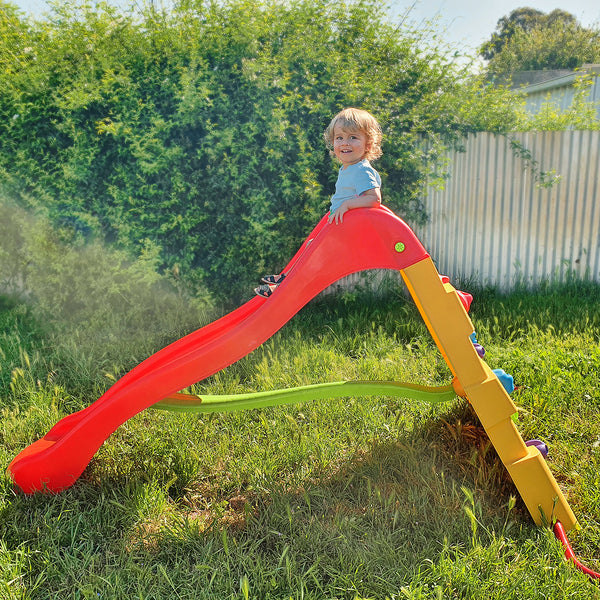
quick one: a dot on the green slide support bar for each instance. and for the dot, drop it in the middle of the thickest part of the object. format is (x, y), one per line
(319, 391)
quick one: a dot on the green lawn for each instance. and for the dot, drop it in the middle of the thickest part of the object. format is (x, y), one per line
(364, 497)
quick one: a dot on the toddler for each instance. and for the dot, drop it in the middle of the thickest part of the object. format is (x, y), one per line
(354, 138)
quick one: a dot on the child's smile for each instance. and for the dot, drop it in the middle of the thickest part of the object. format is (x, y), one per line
(349, 147)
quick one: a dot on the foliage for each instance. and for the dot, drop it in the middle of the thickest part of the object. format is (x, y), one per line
(369, 497)
(582, 114)
(529, 40)
(200, 129)
(522, 20)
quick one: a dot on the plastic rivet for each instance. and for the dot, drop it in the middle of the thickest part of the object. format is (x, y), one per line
(399, 247)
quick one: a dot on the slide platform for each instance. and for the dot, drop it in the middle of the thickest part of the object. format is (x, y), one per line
(372, 238)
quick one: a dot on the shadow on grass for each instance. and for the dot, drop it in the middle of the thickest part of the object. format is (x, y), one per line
(384, 519)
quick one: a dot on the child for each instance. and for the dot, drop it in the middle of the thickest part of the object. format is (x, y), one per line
(354, 138)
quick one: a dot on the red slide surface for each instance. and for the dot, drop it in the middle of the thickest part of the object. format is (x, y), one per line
(371, 238)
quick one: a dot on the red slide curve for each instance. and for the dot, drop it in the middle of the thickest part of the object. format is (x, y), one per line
(371, 238)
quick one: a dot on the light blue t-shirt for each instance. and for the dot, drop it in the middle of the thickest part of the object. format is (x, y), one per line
(353, 181)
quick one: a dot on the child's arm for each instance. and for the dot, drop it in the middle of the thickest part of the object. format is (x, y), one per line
(369, 199)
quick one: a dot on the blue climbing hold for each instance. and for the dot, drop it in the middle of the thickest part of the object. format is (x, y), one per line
(507, 381)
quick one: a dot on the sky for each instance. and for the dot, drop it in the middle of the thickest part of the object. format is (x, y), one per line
(463, 24)
(469, 23)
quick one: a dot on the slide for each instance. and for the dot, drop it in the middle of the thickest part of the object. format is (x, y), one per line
(371, 238)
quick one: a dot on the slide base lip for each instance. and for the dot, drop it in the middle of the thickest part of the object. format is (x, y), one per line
(336, 389)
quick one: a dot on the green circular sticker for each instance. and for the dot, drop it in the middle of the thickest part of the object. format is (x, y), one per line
(399, 247)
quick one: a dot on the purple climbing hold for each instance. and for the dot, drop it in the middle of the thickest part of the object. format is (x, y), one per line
(541, 446)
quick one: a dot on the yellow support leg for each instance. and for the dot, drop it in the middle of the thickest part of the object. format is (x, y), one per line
(451, 328)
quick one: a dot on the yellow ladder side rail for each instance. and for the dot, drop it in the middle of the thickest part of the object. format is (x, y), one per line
(451, 328)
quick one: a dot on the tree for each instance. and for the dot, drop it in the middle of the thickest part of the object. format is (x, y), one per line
(522, 20)
(556, 46)
(528, 40)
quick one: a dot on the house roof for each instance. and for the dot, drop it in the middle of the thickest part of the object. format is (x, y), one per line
(539, 81)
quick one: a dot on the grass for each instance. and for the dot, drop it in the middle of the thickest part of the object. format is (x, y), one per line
(353, 499)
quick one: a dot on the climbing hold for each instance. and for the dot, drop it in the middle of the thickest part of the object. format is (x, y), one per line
(465, 298)
(506, 380)
(458, 388)
(478, 347)
(541, 446)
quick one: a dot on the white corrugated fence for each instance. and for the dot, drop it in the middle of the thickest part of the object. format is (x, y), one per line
(494, 223)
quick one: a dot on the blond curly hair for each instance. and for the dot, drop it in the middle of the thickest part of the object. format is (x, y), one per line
(356, 119)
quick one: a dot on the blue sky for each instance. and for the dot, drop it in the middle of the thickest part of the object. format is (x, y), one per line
(468, 23)
(464, 24)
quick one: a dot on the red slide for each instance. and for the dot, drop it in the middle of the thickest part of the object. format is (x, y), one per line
(371, 238)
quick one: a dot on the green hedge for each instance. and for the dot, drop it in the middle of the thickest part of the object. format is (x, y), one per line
(200, 129)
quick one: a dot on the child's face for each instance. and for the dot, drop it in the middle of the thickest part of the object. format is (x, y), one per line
(349, 147)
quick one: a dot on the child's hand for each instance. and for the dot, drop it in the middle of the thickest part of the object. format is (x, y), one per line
(338, 215)
(368, 199)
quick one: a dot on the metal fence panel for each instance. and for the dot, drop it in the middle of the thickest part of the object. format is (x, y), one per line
(496, 224)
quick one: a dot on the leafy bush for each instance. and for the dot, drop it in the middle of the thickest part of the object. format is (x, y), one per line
(201, 129)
